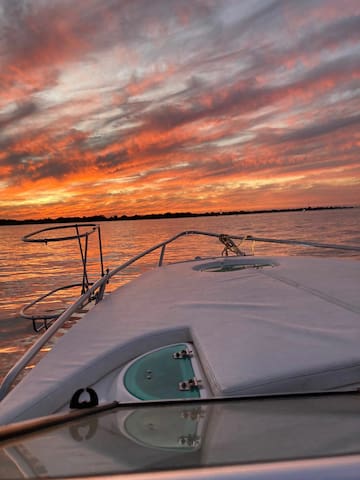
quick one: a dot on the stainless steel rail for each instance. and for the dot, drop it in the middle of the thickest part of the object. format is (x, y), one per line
(40, 319)
(97, 290)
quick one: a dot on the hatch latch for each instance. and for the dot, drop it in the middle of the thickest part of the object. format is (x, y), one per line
(191, 384)
(184, 353)
(189, 440)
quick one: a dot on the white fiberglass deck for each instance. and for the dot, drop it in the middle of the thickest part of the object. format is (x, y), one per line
(290, 327)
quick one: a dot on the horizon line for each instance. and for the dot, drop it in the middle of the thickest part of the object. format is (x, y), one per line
(124, 217)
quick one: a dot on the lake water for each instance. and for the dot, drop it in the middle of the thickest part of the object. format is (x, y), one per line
(29, 270)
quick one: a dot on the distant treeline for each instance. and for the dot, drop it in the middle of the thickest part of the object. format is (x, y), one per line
(103, 218)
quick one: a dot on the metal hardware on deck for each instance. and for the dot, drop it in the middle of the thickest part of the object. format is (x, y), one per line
(162, 253)
(229, 246)
(191, 384)
(185, 353)
(189, 440)
(100, 293)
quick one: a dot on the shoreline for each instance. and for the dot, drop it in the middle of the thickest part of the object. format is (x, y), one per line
(103, 218)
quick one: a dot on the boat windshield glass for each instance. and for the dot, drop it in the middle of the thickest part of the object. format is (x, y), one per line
(188, 434)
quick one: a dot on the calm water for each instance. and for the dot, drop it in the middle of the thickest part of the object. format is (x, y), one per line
(29, 270)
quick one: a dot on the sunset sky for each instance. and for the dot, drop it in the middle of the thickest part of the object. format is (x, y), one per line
(123, 107)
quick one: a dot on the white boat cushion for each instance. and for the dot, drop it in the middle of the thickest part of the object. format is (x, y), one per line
(291, 327)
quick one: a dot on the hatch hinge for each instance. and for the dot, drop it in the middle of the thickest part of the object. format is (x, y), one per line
(189, 440)
(191, 384)
(184, 353)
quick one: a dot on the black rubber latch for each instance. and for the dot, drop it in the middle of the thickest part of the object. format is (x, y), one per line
(76, 404)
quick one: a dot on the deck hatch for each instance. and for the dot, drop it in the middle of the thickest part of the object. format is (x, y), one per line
(234, 264)
(157, 375)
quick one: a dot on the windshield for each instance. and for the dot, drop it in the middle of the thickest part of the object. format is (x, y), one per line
(192, 434)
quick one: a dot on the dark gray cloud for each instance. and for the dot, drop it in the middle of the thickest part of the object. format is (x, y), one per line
(28, 26)
(337, 33)
(23, 111)
(112, 159)
(318, 130)
(52, 167)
